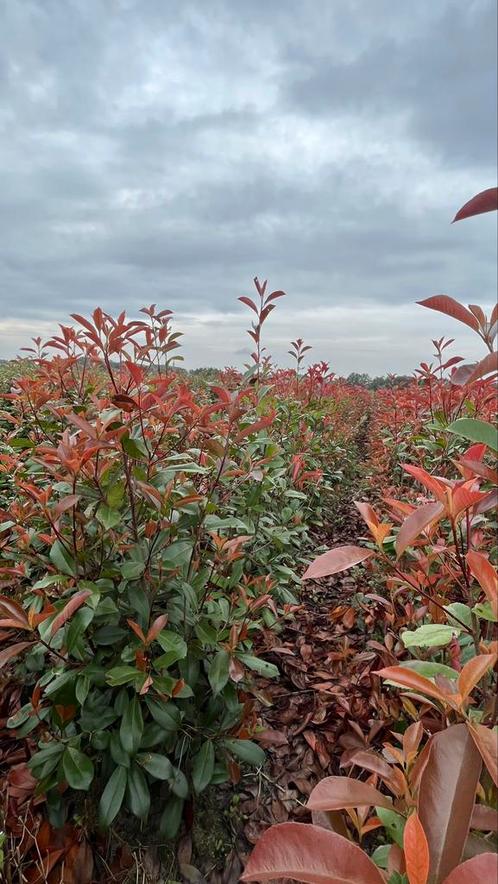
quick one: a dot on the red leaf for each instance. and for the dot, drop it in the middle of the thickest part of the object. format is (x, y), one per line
(473, 671)
(13, 651)
(274, 296)
(446, 797)
(82, 424)
(338, 793)
(159, 623)
(416, 851)
(14, 610)
(249, 303)
(486, 201)
(486, 741)
(136, 629)
(487, 576)
(367, 512)
(376, 764)
(310, 854)
(447, 305)
(461, 376)
(430, 482)
(66, 503)
(462, 498)
(484, 818)
(335, 560)
(73, 604)
(477, 870)
(417, 522)
(256, 427)
(406, 678)
(485, 366)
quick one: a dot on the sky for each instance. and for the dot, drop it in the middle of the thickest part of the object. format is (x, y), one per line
(168, 151)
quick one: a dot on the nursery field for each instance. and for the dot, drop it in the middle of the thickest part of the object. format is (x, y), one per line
(248, 619)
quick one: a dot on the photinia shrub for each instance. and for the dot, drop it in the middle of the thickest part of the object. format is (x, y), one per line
(130, 598)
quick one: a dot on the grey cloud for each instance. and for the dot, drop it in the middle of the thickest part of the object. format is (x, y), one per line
(441, 78)
(169, 152)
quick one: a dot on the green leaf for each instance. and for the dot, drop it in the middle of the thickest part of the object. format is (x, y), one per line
(132, 570)
(393, 822)
(175, 647)
(203, 767)
(77, 627)
(122, 675)
(153, 734)
(108, 517)
(429, 669)
(132, 727)
(178, 784)
(109, 635)
(431, 635)
(166, 714)
(177, 554)
(218, 671)
(45, 761)
(458, 609)
(62, 559)
(114, 494)
(78, 769)
(476, 431)
(484, 611)
(138, 792)
(171, 817)
(21, 442)
(268, 670)
(158, 766)
(20, 716)
(112, 796)
(118, 754)
(245, 750)
(380, 855)
(206, 634)
(134, 447)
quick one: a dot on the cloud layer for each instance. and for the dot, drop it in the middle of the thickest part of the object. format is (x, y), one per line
(169, 152)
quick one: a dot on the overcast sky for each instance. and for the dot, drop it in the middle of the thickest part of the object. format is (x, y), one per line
(168, 151)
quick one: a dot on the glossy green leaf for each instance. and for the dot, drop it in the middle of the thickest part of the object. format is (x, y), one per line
(62, 559)
(476, 431)
(171, 817)
(218, 671)
(122, 675)
(134, 447)
(203, 767)
(179, 784)
(393, 822)
(112, 796)
(165, 713)
(132, 570)
(78, 768)
(158, 766)
(132, 727)
(118, 754)
(174, 646)
(245, 750)
(108, 517)
(431, 635)
(262, 667)
(138, 794)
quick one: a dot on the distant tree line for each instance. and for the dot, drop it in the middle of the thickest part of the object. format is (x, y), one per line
(391, 380)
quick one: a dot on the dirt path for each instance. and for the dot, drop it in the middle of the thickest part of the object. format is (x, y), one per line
(320, 708)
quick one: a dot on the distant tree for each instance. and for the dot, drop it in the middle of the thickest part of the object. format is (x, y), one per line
(359, 379)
